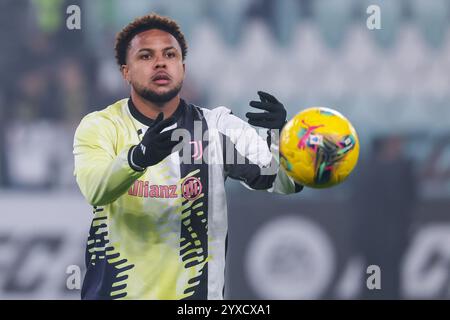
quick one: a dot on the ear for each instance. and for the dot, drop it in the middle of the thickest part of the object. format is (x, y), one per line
(125, 72)
(184, 68)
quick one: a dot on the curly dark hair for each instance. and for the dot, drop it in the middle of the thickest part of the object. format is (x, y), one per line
(141, 24)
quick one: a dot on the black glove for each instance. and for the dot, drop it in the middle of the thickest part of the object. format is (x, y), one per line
(274, 118)
(155, 146)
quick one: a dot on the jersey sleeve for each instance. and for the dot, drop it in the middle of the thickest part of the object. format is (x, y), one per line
(283, 183)
(250, 158)
(102, 173)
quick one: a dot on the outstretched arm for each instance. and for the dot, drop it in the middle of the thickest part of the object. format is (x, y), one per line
(254, 160)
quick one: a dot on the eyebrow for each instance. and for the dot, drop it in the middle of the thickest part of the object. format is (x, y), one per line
(152, 50)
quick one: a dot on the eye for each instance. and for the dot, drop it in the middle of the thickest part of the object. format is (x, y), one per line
(145, 57)
(170, 54)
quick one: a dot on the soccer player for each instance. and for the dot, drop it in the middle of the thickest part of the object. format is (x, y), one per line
(153, 167)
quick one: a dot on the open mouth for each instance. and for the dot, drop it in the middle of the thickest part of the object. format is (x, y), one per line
(161, 79)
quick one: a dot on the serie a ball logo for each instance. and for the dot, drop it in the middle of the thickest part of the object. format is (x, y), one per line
(319, 147)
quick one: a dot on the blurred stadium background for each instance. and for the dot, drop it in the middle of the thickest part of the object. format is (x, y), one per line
(393, 84)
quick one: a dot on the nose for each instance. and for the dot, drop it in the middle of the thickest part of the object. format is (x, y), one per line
(160, 62)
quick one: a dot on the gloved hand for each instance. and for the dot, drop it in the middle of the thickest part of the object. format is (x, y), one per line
(274, 118)
(155, 146)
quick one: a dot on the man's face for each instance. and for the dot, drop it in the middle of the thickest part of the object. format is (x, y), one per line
(155, 67)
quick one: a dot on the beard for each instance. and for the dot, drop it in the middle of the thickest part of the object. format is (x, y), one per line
(154, 97)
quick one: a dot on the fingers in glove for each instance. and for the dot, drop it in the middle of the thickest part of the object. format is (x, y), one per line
(260, 116)
(167, 135)
(163, 124)
(261, 123)
(169, 147)
(264, 106)
(264, 96)
(158, 119)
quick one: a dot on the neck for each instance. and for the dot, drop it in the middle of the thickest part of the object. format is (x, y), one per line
(151, 110)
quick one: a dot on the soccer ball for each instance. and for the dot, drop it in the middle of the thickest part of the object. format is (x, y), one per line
(319, 147)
